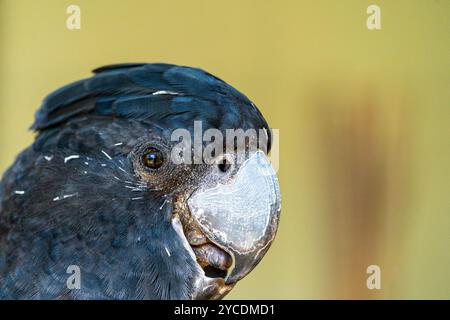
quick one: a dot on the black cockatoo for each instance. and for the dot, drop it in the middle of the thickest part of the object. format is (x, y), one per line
(98, 196)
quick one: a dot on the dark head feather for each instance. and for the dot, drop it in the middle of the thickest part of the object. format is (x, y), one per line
(152, 93)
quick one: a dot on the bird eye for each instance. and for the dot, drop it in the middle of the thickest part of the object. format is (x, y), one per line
(153, 158)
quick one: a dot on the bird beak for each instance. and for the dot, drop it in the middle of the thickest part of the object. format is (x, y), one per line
(241, 217)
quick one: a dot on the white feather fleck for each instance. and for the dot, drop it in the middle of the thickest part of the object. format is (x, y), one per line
(74, 156)
(19, 192)
(48, 158)
(168, 251)
(58, 198)
(107, 155)
(162, 206)
(118, 144)
(165, 92)
(70, 195)
(134, 188)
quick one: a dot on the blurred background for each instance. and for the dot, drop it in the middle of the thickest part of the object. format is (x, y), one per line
(363, 118)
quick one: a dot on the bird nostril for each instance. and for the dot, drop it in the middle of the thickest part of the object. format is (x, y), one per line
(224, 166)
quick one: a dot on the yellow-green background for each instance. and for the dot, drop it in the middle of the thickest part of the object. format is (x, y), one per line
(363, 118)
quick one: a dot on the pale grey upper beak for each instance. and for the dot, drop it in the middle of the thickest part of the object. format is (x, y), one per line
(241, 217)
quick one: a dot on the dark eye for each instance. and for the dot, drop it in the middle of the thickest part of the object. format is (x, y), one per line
(153, 158)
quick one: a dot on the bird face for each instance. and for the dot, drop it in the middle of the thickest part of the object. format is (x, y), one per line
(226, 209)
(107, 187)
